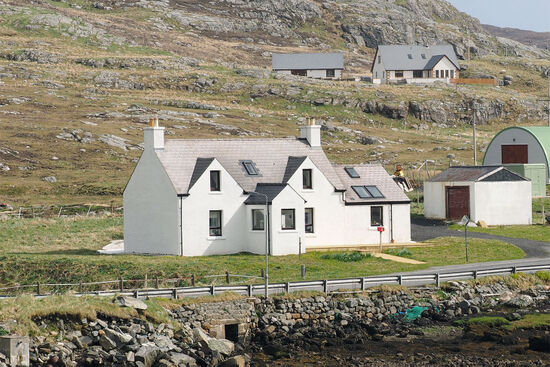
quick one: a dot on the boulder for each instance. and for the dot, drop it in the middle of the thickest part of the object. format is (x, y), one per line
(222, 346)
(180, 359)
(123, 301)
(119, 338)
(521, 301)
(236, 361)
(147, 354)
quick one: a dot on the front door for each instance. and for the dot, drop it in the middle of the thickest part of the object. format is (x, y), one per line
(514, 154)
(457, 202)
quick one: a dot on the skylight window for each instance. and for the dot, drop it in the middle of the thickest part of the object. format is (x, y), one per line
(250, 168)
(423, 56)
(367, 192)
(410, 56)
(352, 172)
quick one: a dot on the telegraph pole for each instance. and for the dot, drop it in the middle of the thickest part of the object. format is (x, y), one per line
(468, 45)
(474, 132)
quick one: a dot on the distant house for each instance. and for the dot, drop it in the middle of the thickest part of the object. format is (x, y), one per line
(493, 194)
(312, 65)
(208, 196)
(414, 64)
(520, 145)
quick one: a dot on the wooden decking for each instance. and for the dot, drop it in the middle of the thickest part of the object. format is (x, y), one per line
(366, 248)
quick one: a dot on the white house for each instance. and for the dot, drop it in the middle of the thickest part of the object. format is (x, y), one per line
(520, 145)
(312, 65)
(207, 196)
(493, 194)
(414, 64)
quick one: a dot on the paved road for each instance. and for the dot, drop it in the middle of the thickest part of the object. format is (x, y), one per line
(425, 229)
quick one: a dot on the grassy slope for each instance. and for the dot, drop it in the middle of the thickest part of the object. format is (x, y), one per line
(63, 250)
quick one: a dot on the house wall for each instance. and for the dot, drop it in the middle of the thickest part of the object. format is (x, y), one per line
(442, 65)
(503, 203)
(195, 214)
(285, 242)
(318, 74)
(516, 136)
(256, 239)
(434, 198)
(151, 220)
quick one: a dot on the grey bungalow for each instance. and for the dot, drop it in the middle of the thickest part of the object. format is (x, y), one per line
(312, 65)
(414, 64)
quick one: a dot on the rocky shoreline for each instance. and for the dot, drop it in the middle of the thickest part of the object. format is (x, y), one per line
(387, 327)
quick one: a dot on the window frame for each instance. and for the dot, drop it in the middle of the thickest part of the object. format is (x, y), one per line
(381, 209)
(446, 73)
(375, 195)
(452, 74)
(358, 188)
(399, 73)
(312, 224)
(418, 74)
(437, 74)
(353, 173)
(306, 185)
(250, 168)
(213, 188)
(254, 228)
(211, 228)
(367, 189)
(330, 73)
(283, 222)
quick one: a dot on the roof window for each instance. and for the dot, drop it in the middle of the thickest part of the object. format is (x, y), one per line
(352, 172)
(410, 56)
(367, 192)
(250, 168)
(423, 56)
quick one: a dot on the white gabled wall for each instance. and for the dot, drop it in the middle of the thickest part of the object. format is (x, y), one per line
(435, 201)
(284, 241)
(503, 203)
(196, 215)
(151, 220)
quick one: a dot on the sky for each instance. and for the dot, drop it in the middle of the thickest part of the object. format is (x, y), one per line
(533, 15)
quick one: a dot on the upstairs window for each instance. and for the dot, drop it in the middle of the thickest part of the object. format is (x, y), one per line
(215, 181)
(367, 192)
(307, 178)
(410, 56)
(330, 73)
(352, 172)
(376, 216)
(215, 223)
(288, 220)
(250, 168)
(258, 223)
(423, 56)
(379, 59)
(399, 73)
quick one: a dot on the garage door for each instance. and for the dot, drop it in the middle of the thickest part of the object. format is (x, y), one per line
(514, 154)
(458, 201)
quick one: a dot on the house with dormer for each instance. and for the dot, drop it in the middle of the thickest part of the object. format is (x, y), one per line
(194, 197)
(414, 64)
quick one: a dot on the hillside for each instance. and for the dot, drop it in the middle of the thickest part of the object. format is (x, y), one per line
(537, 39)
(79, 80)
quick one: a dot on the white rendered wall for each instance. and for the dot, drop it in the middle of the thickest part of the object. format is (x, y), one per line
(401, 223)
(151, 220)
(514, 136)
(256, 238)
(503, 203)
(196, 210)
(445, 64)
(286, 242)
(434, 198)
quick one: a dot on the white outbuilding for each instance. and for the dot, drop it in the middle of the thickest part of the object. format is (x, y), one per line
(194, 197)
(493, 194)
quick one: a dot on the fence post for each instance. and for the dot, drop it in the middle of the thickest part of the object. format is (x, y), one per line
(362, 284)
(513, 270)
(19, 216)
(475, 274)
(193, 280)
(89, 208)
(437, 282)
(38, 288)
(212, 290)
(136, 293)
(325, 286)
(287, 287)
(121, 284)
(262, 273)
(227, 277)
(303, 271)
(175, 293)
(80, 288)
(145, 283)
(60, 209)
(156, 282)
(400, 279)
(249, 289)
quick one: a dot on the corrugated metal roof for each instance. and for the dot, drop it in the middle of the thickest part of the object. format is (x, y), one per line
(396, 57)
(474, 173)
(371, 175)
(307, 61)
(271, 156)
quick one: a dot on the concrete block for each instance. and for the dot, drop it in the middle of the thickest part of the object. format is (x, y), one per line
(16, 348)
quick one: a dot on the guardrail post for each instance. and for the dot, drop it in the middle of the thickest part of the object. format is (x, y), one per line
(136, 293)
(175, 293)
(121, 284)
(212, 290)
(400, 279)
(156, 282)
(249, 290)
(193, 280)
(287, 287)
(437, 282)
(513, 270)
(362, 284)
(303, 271)
(325, 286)
(38, 288)
(80, 288)
(475, 274)
(227, 277)
(262, 275)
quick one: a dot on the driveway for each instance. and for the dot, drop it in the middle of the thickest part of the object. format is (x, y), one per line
(423, 229)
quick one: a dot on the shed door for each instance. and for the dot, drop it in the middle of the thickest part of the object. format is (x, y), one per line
(457, 201)
(514, 154)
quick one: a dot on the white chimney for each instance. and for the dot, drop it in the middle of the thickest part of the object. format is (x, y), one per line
(153, 135)
(311, 132)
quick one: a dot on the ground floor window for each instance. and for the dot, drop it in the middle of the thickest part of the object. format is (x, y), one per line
(309, 220)
(288, 219)
(215, 223)
(437, 73)
(330, 73)
(299, 72)
(399, 73)
(417, 73)
(258, 223)
(452, 74)
(446, 73)
(376, 216)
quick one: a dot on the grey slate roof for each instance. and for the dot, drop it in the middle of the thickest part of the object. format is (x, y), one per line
(477, 173)
(271, 190)
(180, 159)
(307, 61)
(371, 175)
(292, 165)
(395, 57)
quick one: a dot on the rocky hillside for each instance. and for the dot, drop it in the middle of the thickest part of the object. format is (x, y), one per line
(538, 39)
(79, 80)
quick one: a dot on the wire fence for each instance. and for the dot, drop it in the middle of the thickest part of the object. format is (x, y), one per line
(57, 211)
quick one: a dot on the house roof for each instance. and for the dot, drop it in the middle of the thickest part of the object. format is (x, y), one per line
(270, 190)
(540, 133)
(396, 57)
(183, 159)
(370, 175)
(309, 61)
(477, 173)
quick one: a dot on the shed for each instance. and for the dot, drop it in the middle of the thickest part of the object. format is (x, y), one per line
(493, 194)
(313, 65)
(536, 172)
(520, 145)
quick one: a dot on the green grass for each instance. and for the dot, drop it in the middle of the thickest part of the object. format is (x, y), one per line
(346, 256)
(403, 252)
(491, 321)
(64, 250)
(535, 232)
(531, 321)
